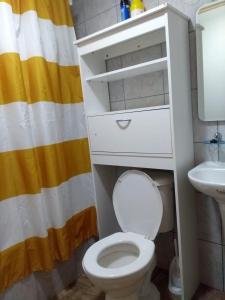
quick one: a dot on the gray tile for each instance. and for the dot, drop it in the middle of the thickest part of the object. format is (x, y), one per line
(150, 4)
(211, 264)
(80, 30)
(78, 11)
(193, 60)
(118, 12)
(167, 100)
(101, 21)
(222, 153)
(163, 46)
(145, 102)
(142, 56)
(164, 249)
(205, 152)
(203, 131)
(113, 64)
(116, 90)
(208, 218)
(165, 82)
(119, 105)
(144, 86)
(221, 129)
(95, 7)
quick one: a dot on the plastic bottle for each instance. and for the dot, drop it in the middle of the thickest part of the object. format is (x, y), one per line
(125, 9)
(137, 7)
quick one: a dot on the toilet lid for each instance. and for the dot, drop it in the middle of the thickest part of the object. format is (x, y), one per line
(137, 203)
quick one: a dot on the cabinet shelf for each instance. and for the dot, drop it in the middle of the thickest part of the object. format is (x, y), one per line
(132, 71)
(108, 113)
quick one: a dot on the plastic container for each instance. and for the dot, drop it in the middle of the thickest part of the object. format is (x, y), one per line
(136, 8)
(125, 9)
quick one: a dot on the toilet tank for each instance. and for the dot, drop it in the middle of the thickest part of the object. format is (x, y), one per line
(164, 181)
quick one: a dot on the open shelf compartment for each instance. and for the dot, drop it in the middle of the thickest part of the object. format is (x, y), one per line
(132, 71)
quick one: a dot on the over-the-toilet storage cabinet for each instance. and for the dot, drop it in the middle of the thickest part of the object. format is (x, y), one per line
(158, 137)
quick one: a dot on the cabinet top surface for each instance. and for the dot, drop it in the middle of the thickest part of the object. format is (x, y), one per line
(161, 9)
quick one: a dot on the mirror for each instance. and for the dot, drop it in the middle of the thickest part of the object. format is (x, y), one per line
(210, 42)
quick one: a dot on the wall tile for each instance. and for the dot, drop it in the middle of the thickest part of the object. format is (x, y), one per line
(203, 131)
(78, 11)
(113, 64)
(118, 13)
(208, 218)
(119, 105)
(165, 82)
(150, 4)
(167, 100)
(116, 90)
(221, 129)
(211, 264)
(95, 7)
(222, 153)
(144, 85)
(80, 30)
(205, 152)
(145, 102)
(142, 56)
(101, 21)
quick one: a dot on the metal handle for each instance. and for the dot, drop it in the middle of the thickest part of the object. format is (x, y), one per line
(123, 124)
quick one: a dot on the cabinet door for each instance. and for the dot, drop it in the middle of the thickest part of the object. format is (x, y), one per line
(133, 132)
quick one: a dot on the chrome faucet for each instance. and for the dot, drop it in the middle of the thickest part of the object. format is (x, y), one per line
(217, 139)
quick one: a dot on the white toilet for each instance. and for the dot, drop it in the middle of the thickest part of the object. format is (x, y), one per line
(121, 264)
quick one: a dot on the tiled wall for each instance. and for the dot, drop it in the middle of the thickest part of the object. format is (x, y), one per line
(93, 15)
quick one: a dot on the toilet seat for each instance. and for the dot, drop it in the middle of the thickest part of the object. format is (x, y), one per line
(146, 253)
(138, 204)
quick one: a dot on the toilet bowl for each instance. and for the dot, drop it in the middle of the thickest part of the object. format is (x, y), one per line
(118, 264)
(122, 263)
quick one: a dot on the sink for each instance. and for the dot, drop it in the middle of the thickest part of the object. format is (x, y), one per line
(209, 178)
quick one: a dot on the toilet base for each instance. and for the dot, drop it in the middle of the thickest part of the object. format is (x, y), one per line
(130, 297)
(151, 294)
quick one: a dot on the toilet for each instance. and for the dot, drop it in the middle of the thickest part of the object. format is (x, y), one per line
(121, 264)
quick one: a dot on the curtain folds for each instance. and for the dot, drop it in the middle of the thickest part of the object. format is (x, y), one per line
(46, 189)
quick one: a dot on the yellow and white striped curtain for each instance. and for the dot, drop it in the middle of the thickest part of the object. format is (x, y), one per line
(46, 191)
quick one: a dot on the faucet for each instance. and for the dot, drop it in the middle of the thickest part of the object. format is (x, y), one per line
(217, 139)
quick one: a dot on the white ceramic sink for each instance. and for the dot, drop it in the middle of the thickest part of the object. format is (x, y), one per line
(209, 178)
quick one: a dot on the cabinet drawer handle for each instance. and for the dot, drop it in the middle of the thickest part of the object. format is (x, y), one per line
(123, 124)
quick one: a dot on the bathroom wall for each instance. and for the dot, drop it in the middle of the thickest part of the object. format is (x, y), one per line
(93, 15)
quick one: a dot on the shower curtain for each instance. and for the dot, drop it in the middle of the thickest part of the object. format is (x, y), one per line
(46, 190)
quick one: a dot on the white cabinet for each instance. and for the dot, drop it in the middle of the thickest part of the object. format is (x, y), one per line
(145, 132)
(157, 137)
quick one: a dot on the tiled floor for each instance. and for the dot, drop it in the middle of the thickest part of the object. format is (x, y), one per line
(84, 290)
